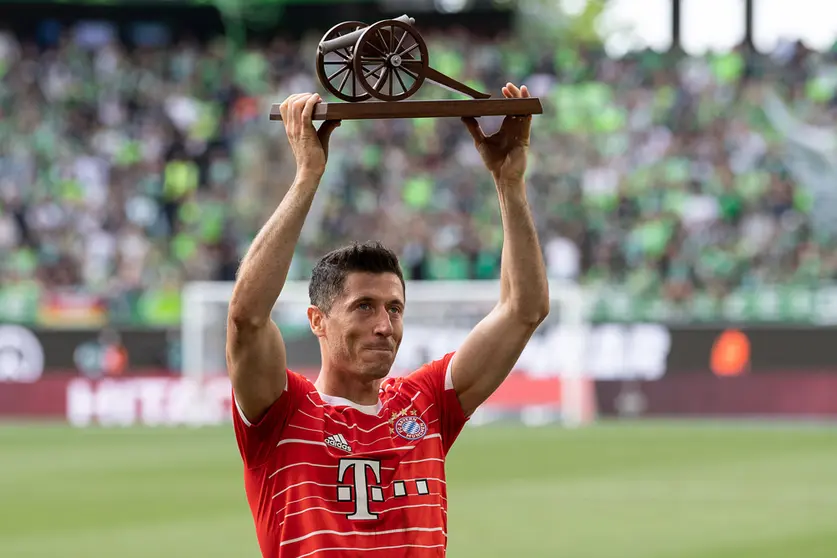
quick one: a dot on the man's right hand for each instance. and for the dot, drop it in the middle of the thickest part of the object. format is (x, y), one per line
(310, 146)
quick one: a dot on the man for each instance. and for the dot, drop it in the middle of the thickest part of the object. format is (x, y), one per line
(353, 464)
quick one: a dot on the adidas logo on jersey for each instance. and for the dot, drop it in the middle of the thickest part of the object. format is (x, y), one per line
(339, 442)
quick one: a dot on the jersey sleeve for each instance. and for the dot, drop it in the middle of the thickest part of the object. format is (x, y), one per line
(434, 378)
(257, 440)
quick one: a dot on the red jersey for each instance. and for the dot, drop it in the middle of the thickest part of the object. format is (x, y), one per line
(329, 478)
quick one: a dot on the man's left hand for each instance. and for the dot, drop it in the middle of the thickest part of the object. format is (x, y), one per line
(505, 152)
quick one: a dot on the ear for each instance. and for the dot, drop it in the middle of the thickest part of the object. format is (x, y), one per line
(316, 319)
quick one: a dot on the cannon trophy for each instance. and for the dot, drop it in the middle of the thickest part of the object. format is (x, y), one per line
(376, 68)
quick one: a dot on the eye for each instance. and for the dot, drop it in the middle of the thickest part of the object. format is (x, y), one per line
(364, 306)
(395, 309)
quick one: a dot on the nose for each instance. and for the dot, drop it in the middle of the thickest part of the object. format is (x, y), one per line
(383, 324)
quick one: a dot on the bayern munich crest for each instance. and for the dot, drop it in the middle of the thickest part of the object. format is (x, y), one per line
(410, 427)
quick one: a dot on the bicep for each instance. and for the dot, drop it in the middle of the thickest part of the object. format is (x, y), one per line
(257, 367)
(488, 355)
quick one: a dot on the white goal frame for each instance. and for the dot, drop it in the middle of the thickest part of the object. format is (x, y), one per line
(569, 299)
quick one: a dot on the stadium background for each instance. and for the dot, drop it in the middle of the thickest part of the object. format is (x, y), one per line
(683, 177)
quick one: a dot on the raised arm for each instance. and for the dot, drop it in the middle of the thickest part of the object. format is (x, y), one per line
(256, 358)
(490, 351)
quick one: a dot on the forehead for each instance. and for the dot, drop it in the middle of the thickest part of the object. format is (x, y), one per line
(383, 286)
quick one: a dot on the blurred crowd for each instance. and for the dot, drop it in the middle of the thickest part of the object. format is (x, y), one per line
(126, 171)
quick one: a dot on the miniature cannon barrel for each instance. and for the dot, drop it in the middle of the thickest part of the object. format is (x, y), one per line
(389, 60)
(350, 39)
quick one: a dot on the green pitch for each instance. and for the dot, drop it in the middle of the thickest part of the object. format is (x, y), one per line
(649, 490)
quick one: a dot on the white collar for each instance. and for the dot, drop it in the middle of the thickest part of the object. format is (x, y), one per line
(335, 401)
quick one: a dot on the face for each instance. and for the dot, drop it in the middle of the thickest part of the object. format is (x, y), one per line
(363, 330)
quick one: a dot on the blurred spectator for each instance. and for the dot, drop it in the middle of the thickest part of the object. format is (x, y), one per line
(126, 171)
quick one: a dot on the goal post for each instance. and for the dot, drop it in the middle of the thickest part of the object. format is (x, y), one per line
(549, 383)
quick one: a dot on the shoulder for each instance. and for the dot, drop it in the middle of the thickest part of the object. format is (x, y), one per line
(296, 387)
(301, 392)
(298, 383)
(301, 379)
(433, 376)
(257, 440)
(440, 402)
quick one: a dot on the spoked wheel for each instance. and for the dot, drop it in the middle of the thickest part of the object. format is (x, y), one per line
(390, 60)
(335, 69)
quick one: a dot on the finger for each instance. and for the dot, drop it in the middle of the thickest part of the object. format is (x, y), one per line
(474, 128)
(296, 110)
(524, 91)
(515, 92)
(283, 110)
(519, 127)
(506, 93)
(288, 115)
(525, 127)
(308, 109)
(299, 104)
(330, 125)
(290, 99)
(326, 128)
(516, 127)
(508, 127)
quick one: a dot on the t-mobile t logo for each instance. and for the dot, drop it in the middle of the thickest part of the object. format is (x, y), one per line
(361, 488)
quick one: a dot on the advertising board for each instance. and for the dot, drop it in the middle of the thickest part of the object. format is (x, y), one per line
(123, 376)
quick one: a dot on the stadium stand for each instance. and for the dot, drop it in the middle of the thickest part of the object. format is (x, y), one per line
(125, 172)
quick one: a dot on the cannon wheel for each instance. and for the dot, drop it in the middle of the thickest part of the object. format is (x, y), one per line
(390, 60)
(335, 69)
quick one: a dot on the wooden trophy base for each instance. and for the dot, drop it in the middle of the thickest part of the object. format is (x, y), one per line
(376, 110)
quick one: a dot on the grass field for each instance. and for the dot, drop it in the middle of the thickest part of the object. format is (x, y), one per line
(648, 490)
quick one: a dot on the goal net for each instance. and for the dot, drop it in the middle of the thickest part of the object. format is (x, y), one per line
(548, 384)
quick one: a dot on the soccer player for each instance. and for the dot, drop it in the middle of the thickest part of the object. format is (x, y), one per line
(354, 463)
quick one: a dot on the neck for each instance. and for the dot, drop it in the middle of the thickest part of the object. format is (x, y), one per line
(348, 386)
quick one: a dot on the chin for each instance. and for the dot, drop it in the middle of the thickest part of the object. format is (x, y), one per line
(378, 374)
(377, 369)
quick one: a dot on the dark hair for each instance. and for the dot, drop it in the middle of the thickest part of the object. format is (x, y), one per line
(329, 275)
